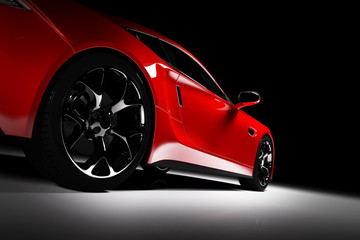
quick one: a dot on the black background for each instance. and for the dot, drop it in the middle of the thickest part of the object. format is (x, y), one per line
(298, 57)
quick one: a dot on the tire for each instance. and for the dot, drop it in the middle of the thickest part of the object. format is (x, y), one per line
(94, 125)
(262, 167)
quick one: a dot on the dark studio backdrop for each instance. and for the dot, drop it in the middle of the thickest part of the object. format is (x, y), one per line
(296, 56)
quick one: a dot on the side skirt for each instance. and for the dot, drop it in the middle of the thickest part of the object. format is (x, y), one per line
(188, 167)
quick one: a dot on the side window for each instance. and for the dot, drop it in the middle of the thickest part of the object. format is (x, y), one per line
(152, 42)
(179, 60)
(190, 67)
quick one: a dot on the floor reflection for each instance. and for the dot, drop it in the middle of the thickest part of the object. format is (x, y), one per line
(168, 206)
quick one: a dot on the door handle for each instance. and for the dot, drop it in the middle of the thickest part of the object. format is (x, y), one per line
(179, 95)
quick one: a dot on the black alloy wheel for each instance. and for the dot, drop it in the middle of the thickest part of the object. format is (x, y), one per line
(102, 129)
(264, 163)
(98, 119)
(262, 168)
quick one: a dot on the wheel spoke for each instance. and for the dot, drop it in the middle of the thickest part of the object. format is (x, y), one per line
(142, 116)
(75, 118)
(91, 166)
(265, 163)
(121, 105)
(96, 157)
(124, 139)
(111, 169)
(98, 97)
(78, 132)
(74, 138)
(263, 159)
(261, 154)
(102, 144)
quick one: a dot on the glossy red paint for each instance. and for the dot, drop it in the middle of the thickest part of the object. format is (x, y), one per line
(206, 130)
(30, 52)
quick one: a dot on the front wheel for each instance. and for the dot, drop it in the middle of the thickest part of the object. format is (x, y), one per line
(262, 168)
(94, 125)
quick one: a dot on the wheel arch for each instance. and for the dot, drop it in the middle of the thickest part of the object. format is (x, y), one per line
(42, 93)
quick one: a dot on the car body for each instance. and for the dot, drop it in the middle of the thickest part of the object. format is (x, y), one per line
(194, 126)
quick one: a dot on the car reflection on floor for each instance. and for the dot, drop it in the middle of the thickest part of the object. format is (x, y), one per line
(176, 205)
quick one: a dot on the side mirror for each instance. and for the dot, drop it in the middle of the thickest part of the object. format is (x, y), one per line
(247, 98)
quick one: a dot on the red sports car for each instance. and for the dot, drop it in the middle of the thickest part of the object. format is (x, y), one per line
(96, 96)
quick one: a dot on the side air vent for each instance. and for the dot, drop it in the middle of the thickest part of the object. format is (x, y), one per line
(179, 96)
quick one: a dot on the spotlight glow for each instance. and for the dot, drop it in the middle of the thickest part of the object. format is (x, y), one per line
(38, 208)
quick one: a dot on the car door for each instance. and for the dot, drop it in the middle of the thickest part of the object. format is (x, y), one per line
(210, 120)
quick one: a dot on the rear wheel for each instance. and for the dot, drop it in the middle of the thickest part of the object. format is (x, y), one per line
(262, 167)
(94, 125)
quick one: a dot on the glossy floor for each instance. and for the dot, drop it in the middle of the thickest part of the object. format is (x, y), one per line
(171, 207)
